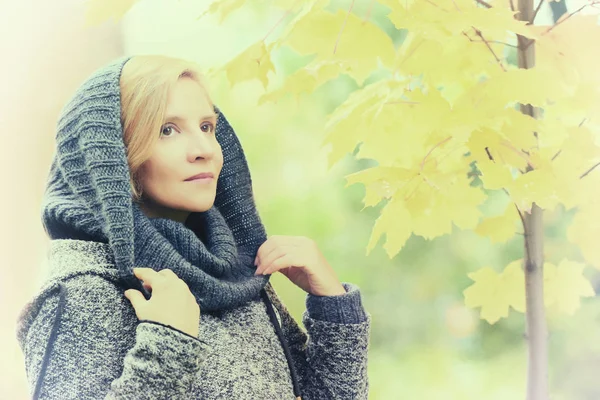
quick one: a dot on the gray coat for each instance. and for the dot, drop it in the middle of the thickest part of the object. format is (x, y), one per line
(100, 350)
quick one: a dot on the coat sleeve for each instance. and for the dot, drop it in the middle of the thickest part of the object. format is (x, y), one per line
(99, 348)
(331, 355)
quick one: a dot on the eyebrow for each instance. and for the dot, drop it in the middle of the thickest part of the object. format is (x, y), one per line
(178, 118)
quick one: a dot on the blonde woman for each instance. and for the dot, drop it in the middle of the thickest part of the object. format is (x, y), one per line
(158, 285)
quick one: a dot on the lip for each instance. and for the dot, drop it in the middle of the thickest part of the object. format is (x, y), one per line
(202, 176)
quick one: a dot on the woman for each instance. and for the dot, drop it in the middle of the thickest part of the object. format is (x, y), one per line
(158, 286)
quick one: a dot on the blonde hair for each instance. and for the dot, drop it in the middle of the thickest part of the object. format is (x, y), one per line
(145, 84)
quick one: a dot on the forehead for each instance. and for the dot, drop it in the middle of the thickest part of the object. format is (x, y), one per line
(187, 99)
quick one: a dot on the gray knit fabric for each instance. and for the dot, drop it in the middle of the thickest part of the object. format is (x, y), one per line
(103, 352)
(88, 197)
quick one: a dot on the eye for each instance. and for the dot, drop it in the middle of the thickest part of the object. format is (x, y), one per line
(211, 125)
(167, 126)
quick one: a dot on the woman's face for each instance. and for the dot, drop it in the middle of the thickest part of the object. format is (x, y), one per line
(187, 146)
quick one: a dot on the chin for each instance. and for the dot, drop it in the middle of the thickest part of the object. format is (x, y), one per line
(204, 206)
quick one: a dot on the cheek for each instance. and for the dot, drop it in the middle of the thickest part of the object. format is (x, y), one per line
(155, 176)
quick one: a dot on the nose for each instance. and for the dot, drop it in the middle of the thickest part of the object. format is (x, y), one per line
(201, 145)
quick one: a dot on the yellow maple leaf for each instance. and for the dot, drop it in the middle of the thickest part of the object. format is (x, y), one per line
(395, 222)
(223, 8)
(493, 22)
(437, 199)
(335, 37)
(496, 293)
(305, 80)
(584, 232)
(519, 129)
(345, 133)
(494, 175)
(500, 228)
(380, 182)
(252, 63)
(566, 50)
(401, 132)
(565, 285)
(459, 201)
(578, 151)
(486, 142)
(516, 85)
(537, 186)
(363, 113)
(99, 11)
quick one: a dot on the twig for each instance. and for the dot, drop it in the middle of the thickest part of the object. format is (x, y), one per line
(569, 16)
(343, 25)
(559, 151)
(489, 41)
(368, 14)
(588, 171)
(487, 150)
(409, 54)
(484, 3)
(435, 5)
(563, 20)
(478, 32)
(519, 153)
(280, 20)
(535, 12)
(402, 102)
(431, 150)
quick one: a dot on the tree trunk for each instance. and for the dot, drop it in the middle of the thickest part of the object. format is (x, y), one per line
(537, 330)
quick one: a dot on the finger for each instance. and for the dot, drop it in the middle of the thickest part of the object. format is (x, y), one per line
(263, 264)
(280, 259)
(148, 275)
(271, 244)
(167, 272)
(135, 297)
(274, 255)
(281, 262)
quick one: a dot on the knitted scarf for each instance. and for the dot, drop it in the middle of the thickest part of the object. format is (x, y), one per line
(88, 197)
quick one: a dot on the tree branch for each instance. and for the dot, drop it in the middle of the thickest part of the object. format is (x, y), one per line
(435, 5)
(563, 20)
(343, 25)
(588, 171)
(489, 41)
(484, 3)
(402, 102)
(517, 152)
(478, 32)
(535, 12)
(368, 14)
(433, 148)
(280, 20)
(559, 151)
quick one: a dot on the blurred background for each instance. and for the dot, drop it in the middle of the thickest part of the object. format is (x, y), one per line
(424, 344)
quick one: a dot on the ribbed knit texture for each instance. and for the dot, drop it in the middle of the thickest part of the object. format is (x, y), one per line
(88, 197)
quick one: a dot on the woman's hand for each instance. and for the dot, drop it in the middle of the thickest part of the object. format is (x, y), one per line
(301, 261)
(172, 303)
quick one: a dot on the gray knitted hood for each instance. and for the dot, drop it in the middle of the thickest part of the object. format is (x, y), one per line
(88, 197)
